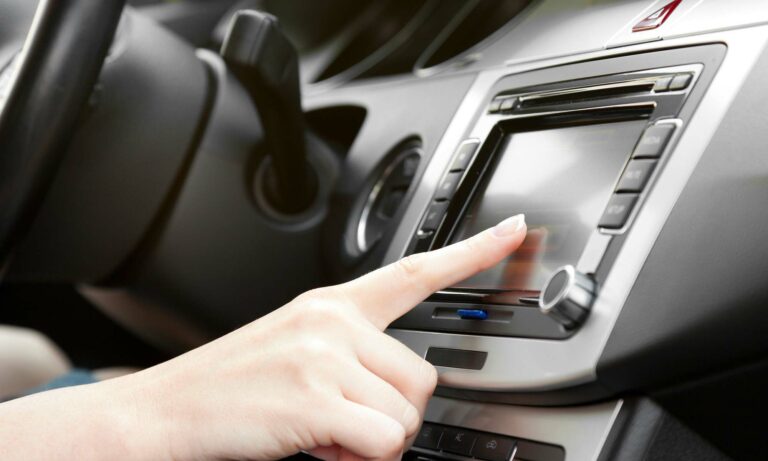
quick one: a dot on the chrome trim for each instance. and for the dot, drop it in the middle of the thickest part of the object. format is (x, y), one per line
(546, 113)
(362, 223)
(14, 66)
(534, 365)
(535, 96)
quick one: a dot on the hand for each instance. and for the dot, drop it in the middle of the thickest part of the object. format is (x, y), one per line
(316, 375)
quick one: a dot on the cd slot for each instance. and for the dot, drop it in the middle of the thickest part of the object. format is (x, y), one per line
(595, 92)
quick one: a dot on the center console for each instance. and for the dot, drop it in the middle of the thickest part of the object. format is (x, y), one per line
(580, 149)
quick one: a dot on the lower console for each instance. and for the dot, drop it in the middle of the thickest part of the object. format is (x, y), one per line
(635, 429)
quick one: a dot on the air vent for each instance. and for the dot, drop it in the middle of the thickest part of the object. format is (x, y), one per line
(386, 194)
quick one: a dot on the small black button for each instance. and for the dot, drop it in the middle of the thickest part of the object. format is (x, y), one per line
(680, 82)
(429, 436)
(662, 84)
(422, 241)
(434, 216)
(636, 175)
(493, 448)
(448, 186)
(464, 155)
(458, 441)
(653, 141)
(617, 211)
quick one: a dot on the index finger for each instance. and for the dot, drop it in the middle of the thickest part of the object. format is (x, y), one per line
(387, 293)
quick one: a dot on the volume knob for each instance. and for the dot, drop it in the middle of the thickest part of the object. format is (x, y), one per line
(567, 296)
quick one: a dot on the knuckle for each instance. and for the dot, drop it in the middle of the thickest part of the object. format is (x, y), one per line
(312, 349)
(391, 441)
(316, 306)
(411, 420)
(411, 265)
(411, 271)
(428, 375)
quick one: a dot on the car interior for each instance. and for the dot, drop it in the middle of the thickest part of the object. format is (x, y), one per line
(171, 170)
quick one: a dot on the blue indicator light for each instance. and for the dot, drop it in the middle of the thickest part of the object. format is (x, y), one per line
(472, 314)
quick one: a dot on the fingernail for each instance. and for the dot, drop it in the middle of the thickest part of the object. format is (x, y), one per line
(510, 226)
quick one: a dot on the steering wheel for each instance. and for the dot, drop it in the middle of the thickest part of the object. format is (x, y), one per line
(44, 86)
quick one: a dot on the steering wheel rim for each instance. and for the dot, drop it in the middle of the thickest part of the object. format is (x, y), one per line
(52, 78)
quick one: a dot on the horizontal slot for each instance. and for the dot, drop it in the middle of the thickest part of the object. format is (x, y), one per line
(573, 95)
(456, 358)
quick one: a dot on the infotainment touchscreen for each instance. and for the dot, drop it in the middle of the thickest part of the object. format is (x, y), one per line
(561, 179)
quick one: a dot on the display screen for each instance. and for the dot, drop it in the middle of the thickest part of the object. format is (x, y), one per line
(562, 180)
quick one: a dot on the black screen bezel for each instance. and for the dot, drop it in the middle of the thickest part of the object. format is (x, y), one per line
(487, 158)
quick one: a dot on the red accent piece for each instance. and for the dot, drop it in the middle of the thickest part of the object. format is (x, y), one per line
(656, 18)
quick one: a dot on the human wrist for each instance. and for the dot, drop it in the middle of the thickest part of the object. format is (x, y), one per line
(137, 418)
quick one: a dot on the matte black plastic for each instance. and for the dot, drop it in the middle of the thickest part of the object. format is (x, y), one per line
(267, 64)
(643, 431)
(125, 161)
(727, 409)
(215, 257)
(456, 358)
(65, 53)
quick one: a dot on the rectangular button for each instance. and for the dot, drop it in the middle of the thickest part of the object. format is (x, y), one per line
(458, 441)
(456, 358)
(662, 83)
(422, 241)
(434, 216)
(653, 141)
(429, 436)
(617, 211)
(464, 155)
(680, 82)
(448, 186)
(493, 448)
(636, 175)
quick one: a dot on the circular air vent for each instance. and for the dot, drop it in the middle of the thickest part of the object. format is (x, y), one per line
(390, 186)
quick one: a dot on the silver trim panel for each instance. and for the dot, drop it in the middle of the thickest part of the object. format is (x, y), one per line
(581, 430)
(537, 365)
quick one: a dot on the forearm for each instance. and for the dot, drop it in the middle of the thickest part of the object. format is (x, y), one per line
(96, 421)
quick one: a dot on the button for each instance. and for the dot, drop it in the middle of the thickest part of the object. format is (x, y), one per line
(495, 106)
(508, 104)
(635, 175)
(464, 155)
(472, 314)
(429, 436)
(493, 448)
(448, 186)
(422, 241)
(434, 216)
(662, 83)
(617, 211)
(680, 82)
(458, 441)
(653, 141)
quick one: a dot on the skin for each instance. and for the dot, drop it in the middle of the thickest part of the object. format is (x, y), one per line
(317, 375)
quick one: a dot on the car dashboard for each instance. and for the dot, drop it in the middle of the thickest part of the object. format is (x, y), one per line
(630, 133)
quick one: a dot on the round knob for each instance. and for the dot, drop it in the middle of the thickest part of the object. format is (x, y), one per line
(567, 296)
